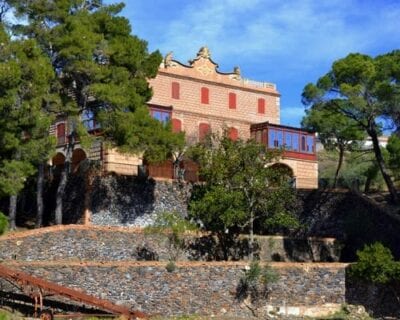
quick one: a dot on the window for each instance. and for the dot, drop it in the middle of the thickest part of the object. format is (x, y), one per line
(160, 115)
(261, 105)
(295, 142)
(205, 95)
(89, 121)
(176, 125)
(288, 141)
(303, 143)
(61, 138)
(275, 138)
(310, 144)
(175, 90)
(233, 134)
(271, 138)
(204, 130)
(232, 100)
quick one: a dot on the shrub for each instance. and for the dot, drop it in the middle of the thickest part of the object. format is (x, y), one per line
(171, 266)
(256, 282)
(3, 223)
(376, 264)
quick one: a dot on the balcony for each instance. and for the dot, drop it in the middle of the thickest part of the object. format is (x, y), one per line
(295, 143)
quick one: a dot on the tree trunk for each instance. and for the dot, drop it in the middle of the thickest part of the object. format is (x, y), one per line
(251, 240)
(12, 214)
(367, 185)
(39, 196)
(60, 194)
(87, 214)
(339, 166)
(381, 163)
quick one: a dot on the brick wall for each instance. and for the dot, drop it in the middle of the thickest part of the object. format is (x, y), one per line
(202, 73)
(305, 171)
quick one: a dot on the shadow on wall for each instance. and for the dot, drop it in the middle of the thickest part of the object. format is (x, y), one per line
(380, 301)
(122, 200)
(349, 218)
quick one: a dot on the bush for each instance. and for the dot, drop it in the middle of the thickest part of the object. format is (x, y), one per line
(376, 264)
(174, 227)
(171, 266)
(3, 223)
(256, 282)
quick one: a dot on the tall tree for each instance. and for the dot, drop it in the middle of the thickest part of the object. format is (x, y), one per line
(25, 77)
(241, 189)
(336, 131)
(359, 88)
(102, 71)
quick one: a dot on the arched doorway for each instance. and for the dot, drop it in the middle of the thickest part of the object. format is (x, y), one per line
(78, 155)
(283, 173)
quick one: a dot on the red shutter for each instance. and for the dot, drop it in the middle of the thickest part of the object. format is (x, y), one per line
(204, 130)
(233, 134)
(232, 100)
(261, 105)
(176, 125)
(204, 95)
(175, 90)
(61, 133)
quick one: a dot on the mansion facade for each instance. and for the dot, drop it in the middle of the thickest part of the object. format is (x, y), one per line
(199, 99)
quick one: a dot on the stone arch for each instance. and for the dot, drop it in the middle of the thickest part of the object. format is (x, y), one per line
(285, 173)
(283, 168)
(78, 155)
(58, 160)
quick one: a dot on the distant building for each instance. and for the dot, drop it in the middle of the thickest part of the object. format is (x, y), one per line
(198, 99)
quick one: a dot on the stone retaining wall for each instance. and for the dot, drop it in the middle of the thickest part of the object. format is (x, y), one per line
(201, 288)
(132, 201)
(119, 244)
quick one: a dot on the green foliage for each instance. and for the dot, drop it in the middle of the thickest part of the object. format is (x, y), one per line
(240, 188)
(25, 80)
(255, 284)
(334, 129)
(104, 71)
(393, 148)
(174, 227)
(376, 264)
(171, 266)
(363, 90)
(3, 223)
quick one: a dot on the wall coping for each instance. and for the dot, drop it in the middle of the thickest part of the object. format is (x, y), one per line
(134, 230)
(306, 266)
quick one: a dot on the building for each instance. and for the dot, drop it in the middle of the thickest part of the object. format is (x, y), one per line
(198, 99)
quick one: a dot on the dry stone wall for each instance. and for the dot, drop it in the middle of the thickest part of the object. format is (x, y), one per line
(122, 244)
(206, 289)
(132, 201)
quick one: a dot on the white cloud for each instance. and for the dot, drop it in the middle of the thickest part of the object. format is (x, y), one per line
(305, 31)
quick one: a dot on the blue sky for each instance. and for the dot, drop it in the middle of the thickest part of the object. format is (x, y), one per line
(286, 42)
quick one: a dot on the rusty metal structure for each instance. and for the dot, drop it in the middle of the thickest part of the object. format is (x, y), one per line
(37, 288)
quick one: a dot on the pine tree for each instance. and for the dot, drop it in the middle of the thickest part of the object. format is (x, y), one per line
(25, 77)
(102, 71)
